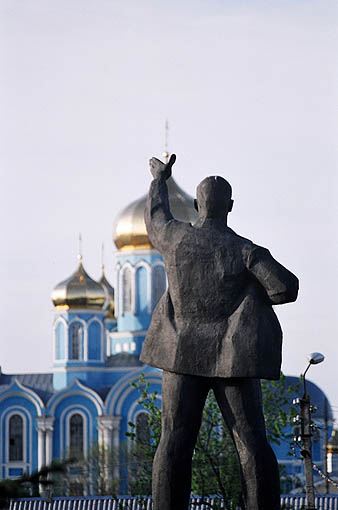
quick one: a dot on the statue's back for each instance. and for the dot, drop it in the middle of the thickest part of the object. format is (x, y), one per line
(207, 273)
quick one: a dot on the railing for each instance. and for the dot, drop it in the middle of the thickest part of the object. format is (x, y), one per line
(298, 502)
(288, 502)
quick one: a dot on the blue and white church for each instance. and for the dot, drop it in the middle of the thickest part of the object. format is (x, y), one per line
(87, 398)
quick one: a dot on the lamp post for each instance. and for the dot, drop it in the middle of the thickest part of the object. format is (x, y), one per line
(305, 416)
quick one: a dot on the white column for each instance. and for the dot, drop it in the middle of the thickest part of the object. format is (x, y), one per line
(105, 434)
(85, 343)
(116, 443)
(116, 430)
(41, 441)
(133, 290)
(117, 291)
(45, 440)
(49, 439)
(109, 431)
(105, 431)
(108, 345)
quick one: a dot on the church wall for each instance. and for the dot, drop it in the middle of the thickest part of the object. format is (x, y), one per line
(91, 377)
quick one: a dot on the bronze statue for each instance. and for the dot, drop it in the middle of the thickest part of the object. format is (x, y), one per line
(214, 328)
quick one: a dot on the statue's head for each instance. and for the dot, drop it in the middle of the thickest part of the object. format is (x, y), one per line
(213, 197)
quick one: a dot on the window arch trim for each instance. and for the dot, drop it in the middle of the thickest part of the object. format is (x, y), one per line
(65, 419)
(127, 266)
(84, 340)
(16, 437)
(26, 439)
(55, 325)
(147, 266)
(76, 426)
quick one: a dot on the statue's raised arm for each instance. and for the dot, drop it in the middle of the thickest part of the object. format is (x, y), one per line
(157, 214)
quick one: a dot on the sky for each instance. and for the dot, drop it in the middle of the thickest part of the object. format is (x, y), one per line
(250, 92)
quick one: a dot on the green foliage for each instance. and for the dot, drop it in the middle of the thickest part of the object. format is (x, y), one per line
(215, 467)
(142, 450)
(28, 485)
(277, 410)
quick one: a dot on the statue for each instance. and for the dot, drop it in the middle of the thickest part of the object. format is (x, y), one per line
(214, 328)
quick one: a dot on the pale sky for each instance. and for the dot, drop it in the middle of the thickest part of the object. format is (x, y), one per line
(250, 89)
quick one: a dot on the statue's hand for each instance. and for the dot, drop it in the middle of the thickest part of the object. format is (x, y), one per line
(161, 170)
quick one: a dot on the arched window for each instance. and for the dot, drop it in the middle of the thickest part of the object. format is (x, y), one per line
(126, 290)
(94, 341)
(76, 341)
(60, 341)
(142, 428)
(76, 433)
(159, 283)
(16, 438)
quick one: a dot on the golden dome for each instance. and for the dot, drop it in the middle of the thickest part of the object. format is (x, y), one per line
(79, 291)
(109, 304)
(130, 231)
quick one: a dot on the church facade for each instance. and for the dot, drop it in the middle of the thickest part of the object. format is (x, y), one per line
(87, 398)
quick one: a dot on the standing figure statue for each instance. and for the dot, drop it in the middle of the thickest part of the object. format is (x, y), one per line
(214, 328)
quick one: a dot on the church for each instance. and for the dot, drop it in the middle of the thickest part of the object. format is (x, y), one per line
(87, 398)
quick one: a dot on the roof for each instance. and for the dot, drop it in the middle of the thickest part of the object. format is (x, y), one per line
(123, 359)
(79, 291)
(42, 384)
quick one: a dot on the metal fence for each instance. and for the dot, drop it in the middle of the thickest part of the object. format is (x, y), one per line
(288, 502)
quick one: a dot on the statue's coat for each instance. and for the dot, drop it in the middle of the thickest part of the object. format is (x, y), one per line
(216, 318)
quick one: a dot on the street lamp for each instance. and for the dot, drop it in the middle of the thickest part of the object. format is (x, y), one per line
(314, 359)
(305, 417)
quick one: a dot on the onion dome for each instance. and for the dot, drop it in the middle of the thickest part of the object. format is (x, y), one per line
(79, 291)
(130, 231)
(109, 304)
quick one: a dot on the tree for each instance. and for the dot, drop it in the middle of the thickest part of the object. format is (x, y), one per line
(28, 485)
(141, 451)
(215, 467)
(278, 413)
(88, 475)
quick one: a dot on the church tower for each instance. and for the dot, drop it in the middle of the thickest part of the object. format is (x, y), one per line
(79, 329)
